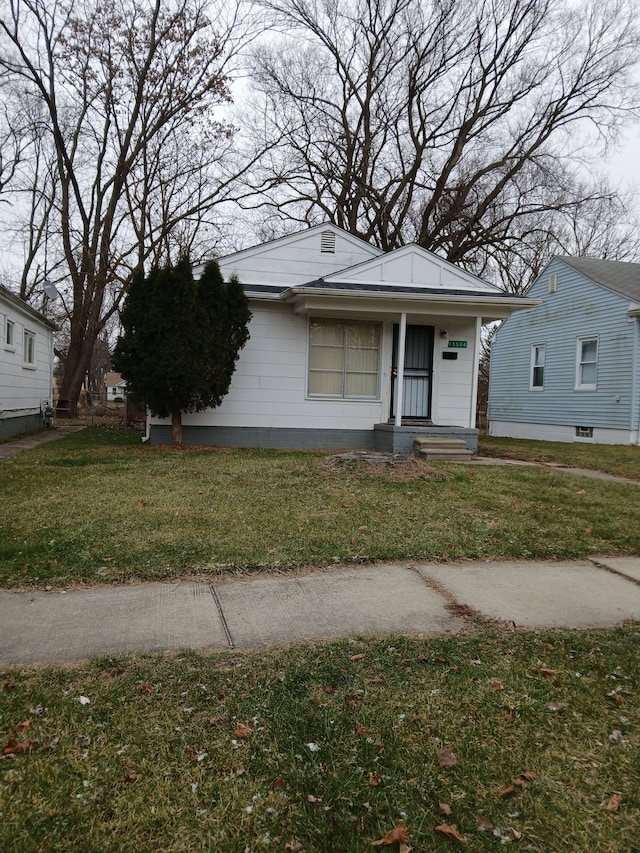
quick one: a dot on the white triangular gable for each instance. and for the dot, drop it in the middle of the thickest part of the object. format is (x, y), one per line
(411, 266)
(298, 258)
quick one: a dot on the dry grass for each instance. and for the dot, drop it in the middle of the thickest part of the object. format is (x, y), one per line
(326, 748)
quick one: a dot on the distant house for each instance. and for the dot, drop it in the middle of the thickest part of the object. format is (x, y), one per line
(26, 363)
(350, 347)
(116, 387)
(569, 369)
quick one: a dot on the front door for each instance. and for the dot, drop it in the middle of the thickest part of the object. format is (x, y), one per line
(418, 364)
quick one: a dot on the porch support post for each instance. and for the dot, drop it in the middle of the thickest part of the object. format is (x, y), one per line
(402, 336)
(476, 371)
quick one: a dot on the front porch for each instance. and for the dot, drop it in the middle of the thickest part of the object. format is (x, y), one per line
(389, 438)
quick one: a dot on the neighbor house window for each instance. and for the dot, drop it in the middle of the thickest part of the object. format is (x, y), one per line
(537, 367)
(584, 432)
(586, 364)
(29, 349)
(9, 334)
(344, 358)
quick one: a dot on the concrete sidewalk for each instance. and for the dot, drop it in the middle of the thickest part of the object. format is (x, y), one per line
(26, 442)
(417, 599)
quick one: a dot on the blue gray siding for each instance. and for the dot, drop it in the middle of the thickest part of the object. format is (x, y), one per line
(577, 308)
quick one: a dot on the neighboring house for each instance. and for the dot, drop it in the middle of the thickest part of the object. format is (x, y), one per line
(569, 369)
(116, 387)
(26, 362)
(342, 331)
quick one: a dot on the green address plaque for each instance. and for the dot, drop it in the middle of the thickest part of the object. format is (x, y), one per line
(457, 344)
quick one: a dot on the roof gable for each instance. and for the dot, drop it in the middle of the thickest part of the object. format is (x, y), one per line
(296, 258)
(19, 304)
(411, 267)
(622, 277)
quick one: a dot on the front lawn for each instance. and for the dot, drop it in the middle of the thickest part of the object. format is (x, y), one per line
(528, 740)
(618, 459)
(99, 507)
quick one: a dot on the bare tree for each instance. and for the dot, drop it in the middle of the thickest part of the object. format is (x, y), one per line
(454, 123)
(130, 93)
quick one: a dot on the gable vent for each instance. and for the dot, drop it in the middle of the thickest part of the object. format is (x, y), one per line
(328, 243)
(553, 283)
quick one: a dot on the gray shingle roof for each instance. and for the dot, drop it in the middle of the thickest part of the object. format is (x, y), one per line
(620, 276)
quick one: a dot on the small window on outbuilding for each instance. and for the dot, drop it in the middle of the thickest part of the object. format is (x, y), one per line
(328, 243)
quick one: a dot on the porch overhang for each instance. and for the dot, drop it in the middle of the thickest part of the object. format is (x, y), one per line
(377, 303)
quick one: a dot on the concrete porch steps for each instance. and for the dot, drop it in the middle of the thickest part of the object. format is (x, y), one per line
(444, 449)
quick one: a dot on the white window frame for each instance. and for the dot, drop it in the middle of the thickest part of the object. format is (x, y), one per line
(9, 335)
(343, 396)
(28, 349)
(580, 363)
(535, 349)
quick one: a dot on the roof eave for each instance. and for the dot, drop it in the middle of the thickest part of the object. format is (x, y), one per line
(515, 302)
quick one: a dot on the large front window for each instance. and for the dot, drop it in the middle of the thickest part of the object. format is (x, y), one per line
(344, 358)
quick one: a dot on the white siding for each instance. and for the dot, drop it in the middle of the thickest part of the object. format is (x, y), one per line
(269, 386)
(452, 390)
(23, 387)
(295, 260)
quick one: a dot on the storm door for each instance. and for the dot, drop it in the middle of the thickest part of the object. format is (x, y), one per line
(418, 365)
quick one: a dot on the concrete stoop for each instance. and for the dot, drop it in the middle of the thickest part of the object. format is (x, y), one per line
(444, 449)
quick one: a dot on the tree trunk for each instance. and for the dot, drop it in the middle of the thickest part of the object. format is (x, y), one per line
(176, 427)
(75, 370)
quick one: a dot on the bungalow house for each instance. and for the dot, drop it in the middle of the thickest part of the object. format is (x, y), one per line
(116, 387)
(350, 347)
(26, 362)
(569, 369)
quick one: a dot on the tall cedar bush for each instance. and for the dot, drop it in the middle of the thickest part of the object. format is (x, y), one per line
(181, 339)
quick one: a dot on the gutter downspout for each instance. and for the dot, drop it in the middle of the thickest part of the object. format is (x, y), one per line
(402, 335)
(147, 434)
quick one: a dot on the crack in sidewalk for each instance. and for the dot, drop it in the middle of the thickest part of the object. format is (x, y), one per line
(223, 619)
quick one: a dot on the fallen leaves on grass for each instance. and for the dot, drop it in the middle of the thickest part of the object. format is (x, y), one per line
(484, 823)
(293, 846)
(130, 777)
(523, 778)
(243, 730)
(507, 791)
(14, 747)
(375, 779)
(451, 831)
(544, 671)
(21, 727)
(613, 802)
(446, 758)
(497, 685)
(397, 835)
(444, 809)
